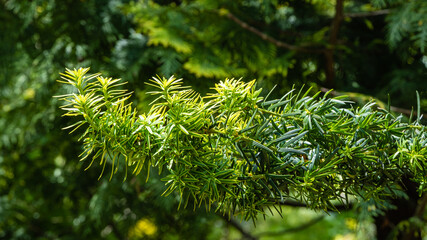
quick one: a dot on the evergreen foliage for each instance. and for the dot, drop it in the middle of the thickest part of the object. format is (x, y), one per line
(44, 193)
(241, 152)
(41, 194)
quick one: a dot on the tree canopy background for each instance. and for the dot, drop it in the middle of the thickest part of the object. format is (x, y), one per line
(363, 48)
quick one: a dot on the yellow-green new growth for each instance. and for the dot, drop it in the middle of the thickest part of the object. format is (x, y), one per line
(245, 153)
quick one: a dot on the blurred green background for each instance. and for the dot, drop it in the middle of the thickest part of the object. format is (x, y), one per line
(367, 48)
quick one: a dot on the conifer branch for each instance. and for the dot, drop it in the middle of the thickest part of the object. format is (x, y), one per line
(239, 152)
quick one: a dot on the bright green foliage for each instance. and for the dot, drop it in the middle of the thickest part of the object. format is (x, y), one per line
(44, 194)
(242, 152)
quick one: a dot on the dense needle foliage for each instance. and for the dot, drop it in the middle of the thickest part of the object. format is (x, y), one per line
(242, 152)
(379, 50)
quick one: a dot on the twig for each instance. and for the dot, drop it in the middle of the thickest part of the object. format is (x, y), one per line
(336, 22)
(367, 14)
(339, 207)
(294, 229)
(268, 38)
(238, 227)
(333, 39)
